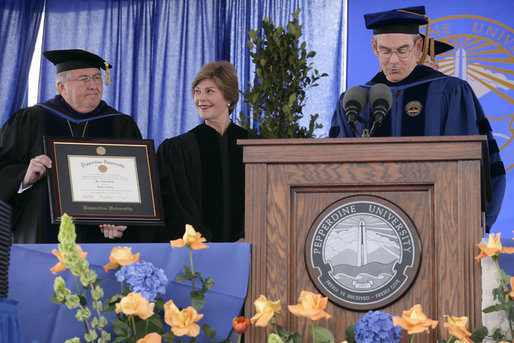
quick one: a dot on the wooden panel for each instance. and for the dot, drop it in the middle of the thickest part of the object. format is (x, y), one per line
(442, 198)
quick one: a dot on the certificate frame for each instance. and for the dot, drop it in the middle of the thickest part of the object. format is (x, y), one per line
(104, 181)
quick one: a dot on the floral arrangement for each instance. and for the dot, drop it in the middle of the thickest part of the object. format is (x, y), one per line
(381, 327)
(492, 248)
(140, 313)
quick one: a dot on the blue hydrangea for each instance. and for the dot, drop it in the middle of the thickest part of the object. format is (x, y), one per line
(143, 278)
(377, 327)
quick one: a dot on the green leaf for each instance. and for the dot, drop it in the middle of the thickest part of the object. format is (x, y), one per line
(322, 335)
(208, 284)
(159, 304)
(479, 334)
(83, 300)
(121, 328)
(168, 336)
(210, 332)
(152, 324)
(497, 307)
(54, 299)
(292, 99)
(197, 301)
(350, 334)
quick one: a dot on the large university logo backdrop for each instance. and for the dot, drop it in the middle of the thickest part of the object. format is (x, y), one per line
(363, 252)
(484, 57)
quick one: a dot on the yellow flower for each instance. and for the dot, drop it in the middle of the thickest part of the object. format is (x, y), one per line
(152, 337)
(493, 247)
(414, 320)
(265, 311)
(59, 267)
(458, 327)
(135, 304)
(310, 306)
(192, 238)
(182, 322)
(121, 256)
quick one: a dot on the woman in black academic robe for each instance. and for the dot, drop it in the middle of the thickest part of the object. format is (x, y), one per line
(201, 171)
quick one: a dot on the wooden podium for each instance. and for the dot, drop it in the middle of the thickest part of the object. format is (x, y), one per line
(439, 182)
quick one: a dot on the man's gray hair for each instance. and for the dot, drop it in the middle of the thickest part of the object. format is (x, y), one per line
(62, 77)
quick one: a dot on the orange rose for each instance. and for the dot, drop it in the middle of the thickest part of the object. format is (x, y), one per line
(182, 322)
(59, 267)
(152, 337)
(414, 320)
(192, 238)
(493, 247)
(135, 304)
(310, 306)
(458, 327)
(240, 324)
(121, 256)
(265, 311)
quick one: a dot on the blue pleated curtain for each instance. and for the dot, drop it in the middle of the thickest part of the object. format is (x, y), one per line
(157, 47)
(19, 22)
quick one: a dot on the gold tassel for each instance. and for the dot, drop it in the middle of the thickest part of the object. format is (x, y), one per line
(107, 74)
(427, 33)
(432, 49)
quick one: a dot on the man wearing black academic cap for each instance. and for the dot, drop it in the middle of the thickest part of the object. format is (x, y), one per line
(425, 102)
(77, 111)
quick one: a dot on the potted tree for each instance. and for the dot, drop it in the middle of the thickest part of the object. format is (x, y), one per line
(283, 73)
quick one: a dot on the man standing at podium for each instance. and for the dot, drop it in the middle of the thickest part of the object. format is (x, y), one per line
(425, 102)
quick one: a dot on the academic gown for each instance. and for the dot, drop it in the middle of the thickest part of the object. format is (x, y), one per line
(21, 139)
(448, 107)
(202, 182)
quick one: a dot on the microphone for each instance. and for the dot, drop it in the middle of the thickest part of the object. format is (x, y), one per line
(380, 99)
(354, 101)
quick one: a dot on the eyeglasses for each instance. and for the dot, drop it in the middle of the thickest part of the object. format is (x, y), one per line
(402, 52)
(85, 79)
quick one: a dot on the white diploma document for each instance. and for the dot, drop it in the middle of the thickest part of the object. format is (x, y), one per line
(104, 179)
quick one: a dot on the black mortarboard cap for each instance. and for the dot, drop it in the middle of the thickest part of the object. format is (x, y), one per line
(403, 20)
(77, 59)
(438, 46)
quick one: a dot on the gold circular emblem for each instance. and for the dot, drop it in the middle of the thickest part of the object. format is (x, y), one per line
(100, 150)
(413, 108)
(102, 168)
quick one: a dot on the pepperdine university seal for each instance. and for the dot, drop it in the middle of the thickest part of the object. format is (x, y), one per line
(363, 252)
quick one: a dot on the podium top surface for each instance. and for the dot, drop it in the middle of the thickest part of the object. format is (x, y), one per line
(371, 149)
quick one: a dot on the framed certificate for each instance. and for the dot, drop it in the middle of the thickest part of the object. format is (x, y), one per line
(104, 181)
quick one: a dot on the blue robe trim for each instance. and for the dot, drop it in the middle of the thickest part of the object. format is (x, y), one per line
(64, 116)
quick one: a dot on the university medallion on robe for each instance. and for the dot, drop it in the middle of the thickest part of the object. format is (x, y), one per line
(363, 252)
(413, 108)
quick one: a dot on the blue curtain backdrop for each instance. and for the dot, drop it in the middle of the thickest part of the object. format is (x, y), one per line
(157, 47)
(19, 22)
(484, 34)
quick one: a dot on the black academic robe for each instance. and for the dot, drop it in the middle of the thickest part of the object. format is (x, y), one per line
(202, 181)
(444, 106)
(21, 139)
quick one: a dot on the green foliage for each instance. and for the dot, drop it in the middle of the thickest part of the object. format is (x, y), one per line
(322, 335)
(350, 334)
(283, 73)
(479, 334)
